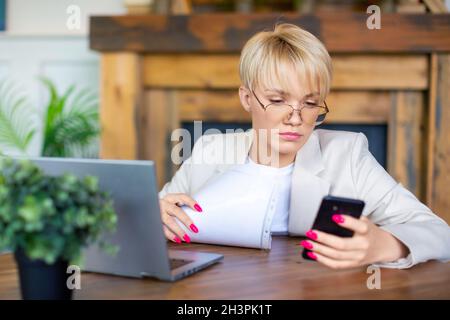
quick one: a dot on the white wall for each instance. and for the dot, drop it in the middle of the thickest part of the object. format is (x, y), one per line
(49, 17)
(37, 42)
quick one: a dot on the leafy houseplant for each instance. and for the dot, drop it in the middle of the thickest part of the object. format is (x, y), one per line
(47, 221)
(69, 124)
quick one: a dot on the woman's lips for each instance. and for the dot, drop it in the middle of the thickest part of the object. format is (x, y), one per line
(290, 136)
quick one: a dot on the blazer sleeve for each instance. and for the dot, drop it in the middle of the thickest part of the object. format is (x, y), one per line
(397, 211)
(181, 181)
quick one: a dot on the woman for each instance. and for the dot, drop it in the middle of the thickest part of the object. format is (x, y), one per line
(286, 76)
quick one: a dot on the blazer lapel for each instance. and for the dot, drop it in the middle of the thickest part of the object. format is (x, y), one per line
(307, 188)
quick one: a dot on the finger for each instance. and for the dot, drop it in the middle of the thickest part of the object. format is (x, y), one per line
(330, 240)
(173, 227)
(170, 235)
(357, 225)
(332, 263)
(181, 199)
(187, 200)
(177, 212)
(171, 197)
(339, 243)
(330, 252)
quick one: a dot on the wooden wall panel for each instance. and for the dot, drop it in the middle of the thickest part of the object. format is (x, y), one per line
(121, 91)
(371, 72)
(159, 117)
(431, 127)
(398, 72)
(407, 140)
(211, 105)
(191, 71)
(439, 146)
(359, 107)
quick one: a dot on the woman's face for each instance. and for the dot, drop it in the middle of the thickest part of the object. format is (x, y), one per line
(285, 130)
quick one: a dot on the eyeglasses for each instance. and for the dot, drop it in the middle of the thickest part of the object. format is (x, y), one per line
(310, 113)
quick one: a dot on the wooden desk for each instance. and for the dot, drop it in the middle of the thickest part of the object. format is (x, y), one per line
(255, 274)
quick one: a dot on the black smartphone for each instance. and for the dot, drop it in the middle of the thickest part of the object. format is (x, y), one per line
(335, 205)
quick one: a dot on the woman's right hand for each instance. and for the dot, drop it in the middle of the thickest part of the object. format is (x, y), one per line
(171, 211)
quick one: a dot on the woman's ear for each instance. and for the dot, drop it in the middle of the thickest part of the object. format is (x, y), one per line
(244, 96)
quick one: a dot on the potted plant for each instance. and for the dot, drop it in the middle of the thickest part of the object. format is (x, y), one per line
(47, 221)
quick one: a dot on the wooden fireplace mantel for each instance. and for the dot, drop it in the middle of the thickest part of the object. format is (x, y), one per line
(158, 71)
(342, 32)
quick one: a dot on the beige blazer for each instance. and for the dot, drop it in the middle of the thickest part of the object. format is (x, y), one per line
(330, 162)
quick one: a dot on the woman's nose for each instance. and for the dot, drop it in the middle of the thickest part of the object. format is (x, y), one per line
(295, 118)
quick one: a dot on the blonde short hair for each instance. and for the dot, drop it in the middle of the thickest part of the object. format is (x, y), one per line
(267, 55)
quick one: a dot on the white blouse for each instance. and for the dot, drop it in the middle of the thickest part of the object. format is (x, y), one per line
(281, 196)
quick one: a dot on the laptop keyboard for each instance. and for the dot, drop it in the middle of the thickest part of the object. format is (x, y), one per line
(176, 263)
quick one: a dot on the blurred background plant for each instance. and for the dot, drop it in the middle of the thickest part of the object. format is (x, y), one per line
(69, 122)
(52, 218)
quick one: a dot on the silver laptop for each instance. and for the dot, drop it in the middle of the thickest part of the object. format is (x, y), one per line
(142, 246)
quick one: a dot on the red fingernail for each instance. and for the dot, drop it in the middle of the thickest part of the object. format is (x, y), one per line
(312, 255)
(186, 238)
(198, 208)
(306, 244)
(193, 228)
(312, 235)
(337, 218)
(177, 240)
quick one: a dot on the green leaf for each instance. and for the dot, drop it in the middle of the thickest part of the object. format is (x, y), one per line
(17, 127)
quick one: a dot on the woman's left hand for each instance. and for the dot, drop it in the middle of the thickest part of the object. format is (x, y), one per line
(369, 244)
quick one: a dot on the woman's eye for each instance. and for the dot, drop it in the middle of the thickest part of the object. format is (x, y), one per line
(311, 104)
(276, 101)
